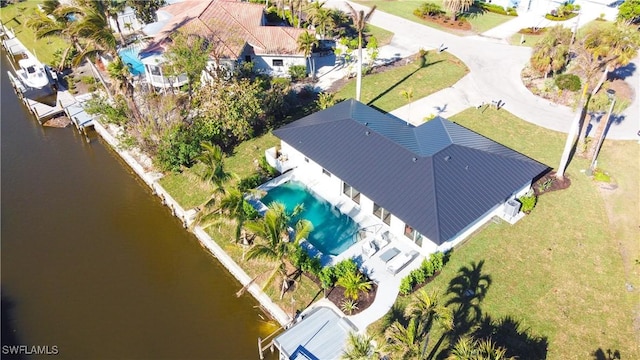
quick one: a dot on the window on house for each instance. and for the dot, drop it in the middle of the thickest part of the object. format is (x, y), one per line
(277, 62)
(413, 235)
(155, 70)
(351, 192)
(324, 171)
(382, 214)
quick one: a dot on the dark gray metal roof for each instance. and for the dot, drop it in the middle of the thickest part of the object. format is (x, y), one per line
(322, 334)
(438, 177)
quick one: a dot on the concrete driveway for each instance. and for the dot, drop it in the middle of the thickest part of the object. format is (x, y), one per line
(494, 75)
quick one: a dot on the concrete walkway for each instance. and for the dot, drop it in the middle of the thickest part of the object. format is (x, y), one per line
(495, 69)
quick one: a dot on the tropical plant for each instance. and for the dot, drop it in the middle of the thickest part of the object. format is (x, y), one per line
(569, 82)
(456, 7)
(360, 19)
(405, 341)
(408, 94)
(273, 229)
(188, 54)
(353, 283)
(428, 310)
(326, 100)
(89, 34)
(528, 202)
(428, 9)
(349, 306)
(320, 17)
(306, 43)
(629, 11)
(212, 160)
(467, 348)
(551, 52)
(111, 8)
(146, 10)
(359, 347)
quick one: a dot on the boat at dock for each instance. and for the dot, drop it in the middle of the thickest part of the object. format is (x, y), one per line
(33, 74)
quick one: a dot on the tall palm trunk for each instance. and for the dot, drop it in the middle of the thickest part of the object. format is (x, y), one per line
(568, 146)
(359, 68)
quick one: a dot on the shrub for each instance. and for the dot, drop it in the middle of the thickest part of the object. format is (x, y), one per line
(601, 176)
(569, 82)
(250, 182)
(427, 268)
(428, 9)
(327, 277)
(406, 285)
(297, 72)
(88, 80)
(268, 169)
(436, 260)
(345, 267)
(528, 201)
(281, 82)
(497, 9)
(249, 211)
(418, 276)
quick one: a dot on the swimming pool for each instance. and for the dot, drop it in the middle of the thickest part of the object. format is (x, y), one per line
(129, 56)
(333, 232)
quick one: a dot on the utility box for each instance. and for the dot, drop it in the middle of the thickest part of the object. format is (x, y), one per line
(512, 208)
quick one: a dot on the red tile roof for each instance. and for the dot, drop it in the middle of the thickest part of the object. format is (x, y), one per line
(233, 24)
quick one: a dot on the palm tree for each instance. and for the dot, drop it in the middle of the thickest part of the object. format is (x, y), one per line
(273, 229)
(359, 347)
(408, 94)
(214, 172)
(353, 283)
(360, 20)
(405, 341)
(111, 9)
(428, 309)
(319, 17)
(89, 34)
(457, 6)
(467, 348)
(306, 43)
(551, 53)
(232, 205)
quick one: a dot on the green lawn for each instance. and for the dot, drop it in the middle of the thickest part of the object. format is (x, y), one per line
(404, 9)
(15, 16)
(383, 36)
(530, 40)
(559, 271)
(383, 90)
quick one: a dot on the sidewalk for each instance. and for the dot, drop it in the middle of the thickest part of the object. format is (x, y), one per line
(494, 74)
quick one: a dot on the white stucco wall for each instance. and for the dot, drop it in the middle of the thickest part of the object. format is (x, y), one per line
(264, 63)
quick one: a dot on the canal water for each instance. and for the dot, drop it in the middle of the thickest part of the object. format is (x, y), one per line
(95, 266)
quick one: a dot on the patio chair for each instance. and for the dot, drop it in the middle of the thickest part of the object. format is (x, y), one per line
(399, 262)
(369, 247)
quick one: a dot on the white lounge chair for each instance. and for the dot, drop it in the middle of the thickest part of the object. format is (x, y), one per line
(369, 247)
(399, 262)
(381, 241)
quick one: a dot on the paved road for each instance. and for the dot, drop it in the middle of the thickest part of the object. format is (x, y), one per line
(494, 75)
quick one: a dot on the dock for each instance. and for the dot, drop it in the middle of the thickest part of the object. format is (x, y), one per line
(65, 103)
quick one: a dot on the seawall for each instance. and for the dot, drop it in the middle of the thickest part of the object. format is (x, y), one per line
(151, 179)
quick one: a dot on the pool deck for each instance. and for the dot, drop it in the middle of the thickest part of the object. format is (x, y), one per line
(374, 267)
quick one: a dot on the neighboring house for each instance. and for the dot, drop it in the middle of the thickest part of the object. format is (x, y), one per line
(237, 31)
(432, 185)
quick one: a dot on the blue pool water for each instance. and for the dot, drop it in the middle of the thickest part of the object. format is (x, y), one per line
(130, 58)
(333, 232)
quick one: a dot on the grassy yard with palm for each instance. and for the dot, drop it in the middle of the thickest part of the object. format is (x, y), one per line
(480, 22)
(15, 16)
(560, 272)
(384, 90)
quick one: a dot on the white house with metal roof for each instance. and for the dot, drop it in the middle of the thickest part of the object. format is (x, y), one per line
(431, 186)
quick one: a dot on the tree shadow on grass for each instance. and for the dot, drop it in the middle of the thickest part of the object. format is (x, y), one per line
(399, 82)
(508, 333)
(606, 354)
(469, 288)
